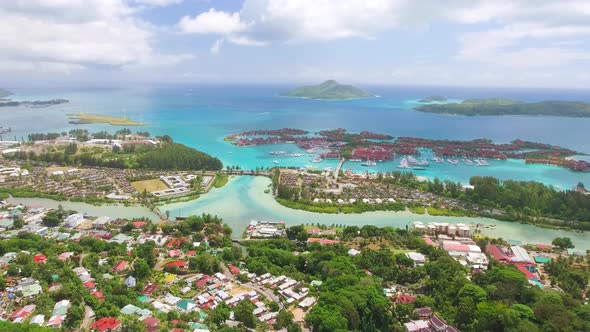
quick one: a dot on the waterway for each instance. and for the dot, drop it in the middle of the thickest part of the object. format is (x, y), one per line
(110, 210)
(243, 199)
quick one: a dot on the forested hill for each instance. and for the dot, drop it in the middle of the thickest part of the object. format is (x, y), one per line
(502, 106)
(174, 156)
(328, 90)
(4, 93)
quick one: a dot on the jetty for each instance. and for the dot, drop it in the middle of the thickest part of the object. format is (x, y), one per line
(337, 170)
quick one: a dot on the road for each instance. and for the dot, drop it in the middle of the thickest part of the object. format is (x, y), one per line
(252, 286)
(337, 170)
(88, 315)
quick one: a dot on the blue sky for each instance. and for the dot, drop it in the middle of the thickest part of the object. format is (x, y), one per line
(526, 43)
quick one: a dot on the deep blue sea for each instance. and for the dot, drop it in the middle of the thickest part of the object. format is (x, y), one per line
(201, 116)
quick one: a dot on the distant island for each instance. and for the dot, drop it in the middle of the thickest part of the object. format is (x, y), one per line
(36, 104)
(503, 106)
(329, 90)
(4, 93)
(86, 118)
(432, 99)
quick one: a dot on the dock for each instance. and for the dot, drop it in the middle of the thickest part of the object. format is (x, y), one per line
(337, 170)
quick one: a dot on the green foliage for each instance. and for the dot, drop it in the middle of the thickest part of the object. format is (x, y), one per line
(174, 156)
(8, 326)
(328, 90)
(563, 243)
(502, 106)
(243, 312)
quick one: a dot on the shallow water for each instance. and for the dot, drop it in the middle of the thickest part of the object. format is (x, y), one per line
(201, 116)
(243, 199)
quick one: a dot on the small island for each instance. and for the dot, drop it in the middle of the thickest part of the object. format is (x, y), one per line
(503, 106)
(329, 90)
(433, 99)
(33, 104)
(4, 93)
(87, 118)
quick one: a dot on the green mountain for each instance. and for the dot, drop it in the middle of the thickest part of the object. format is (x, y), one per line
(503, 106)
(4, 93)
(432, 99)
(328, 90)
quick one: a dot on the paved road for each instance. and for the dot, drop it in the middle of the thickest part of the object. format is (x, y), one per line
(337, 170)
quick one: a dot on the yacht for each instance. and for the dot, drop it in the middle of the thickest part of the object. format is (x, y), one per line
(438, 160)
(453, 161)
(404, 163)
(317, 159)
(369, 163)
(468, 161)
(275, 161)
(421, 162)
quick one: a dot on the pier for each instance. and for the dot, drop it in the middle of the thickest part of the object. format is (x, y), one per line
(337, 170)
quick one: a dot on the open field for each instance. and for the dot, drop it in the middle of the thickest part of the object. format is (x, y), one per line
(82, 118)
(149, 185)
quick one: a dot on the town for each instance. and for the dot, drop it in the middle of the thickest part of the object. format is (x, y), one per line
(135, 275)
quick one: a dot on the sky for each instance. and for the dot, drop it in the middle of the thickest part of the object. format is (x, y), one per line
(520, 43)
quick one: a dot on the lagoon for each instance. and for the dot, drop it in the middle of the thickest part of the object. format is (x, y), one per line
(243, 199)
(201, 116)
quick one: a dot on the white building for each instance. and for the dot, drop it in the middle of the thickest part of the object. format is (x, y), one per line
(74, 220)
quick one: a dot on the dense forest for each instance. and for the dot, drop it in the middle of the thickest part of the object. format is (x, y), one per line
(174, 156)
(502, 106)
(526, 200)
(166, 156)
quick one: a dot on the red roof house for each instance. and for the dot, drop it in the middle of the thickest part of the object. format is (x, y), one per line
(139, 224)
(121, 266)
(39, 258)
(178, 264)
(152, 324)
(98, 295)
(233, 269)
(174, 253)
(321, 241)
(106, 324)
(89, 284)
(497, 253)
(149, 289)
(522, 268)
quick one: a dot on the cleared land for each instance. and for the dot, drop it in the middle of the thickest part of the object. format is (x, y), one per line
(149, 185)
(82, 118)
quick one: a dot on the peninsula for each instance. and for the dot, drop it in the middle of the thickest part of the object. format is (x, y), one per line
(503, 106)
(329, 90)
(86, 118)
(35, 104)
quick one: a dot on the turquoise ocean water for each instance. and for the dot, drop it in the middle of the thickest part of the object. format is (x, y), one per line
(201, 116)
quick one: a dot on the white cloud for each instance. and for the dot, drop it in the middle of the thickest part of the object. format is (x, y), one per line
(510, 24)
(158, 3)
(212, 22)
(74, 34)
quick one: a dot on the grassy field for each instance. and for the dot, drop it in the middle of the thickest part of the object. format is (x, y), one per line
(149, 185)
(97, 118)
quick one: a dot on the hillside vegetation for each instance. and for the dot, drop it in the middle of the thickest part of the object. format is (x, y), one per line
(328, 90)
(503, 106)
